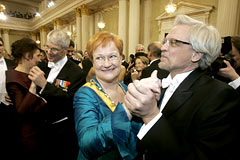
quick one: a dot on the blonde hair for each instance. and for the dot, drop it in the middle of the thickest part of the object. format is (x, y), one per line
(144, 59)
(103, 38)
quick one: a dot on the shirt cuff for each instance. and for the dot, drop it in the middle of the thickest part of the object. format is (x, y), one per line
(235, 84)
(145, 128)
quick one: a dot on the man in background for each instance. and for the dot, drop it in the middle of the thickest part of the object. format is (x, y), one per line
(8, 116)
(154, 54)
(58, 80)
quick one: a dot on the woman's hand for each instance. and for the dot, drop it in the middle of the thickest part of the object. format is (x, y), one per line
(134, 74)
(33, 88)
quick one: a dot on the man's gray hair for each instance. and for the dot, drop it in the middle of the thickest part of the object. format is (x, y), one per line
(204, 39)
(59, 37)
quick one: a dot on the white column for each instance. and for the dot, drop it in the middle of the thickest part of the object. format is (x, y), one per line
(5, 37)
(85, 26)
(34, 36)
(147, 21)
(134, 25)
(54, 24)
(122, 24)
(91, 25)
(78, 29)
(45, 3)
(227, 17)
(43, 36)
(57, 23)
(96, 20)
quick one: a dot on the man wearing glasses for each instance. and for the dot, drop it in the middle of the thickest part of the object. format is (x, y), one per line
(194, 118)
(58, 80)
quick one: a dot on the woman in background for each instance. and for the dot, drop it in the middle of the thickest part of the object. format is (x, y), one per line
(23, 94)
(141, 62)
(101, 121)
(135, 73)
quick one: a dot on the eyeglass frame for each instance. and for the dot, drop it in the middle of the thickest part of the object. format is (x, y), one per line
(53, 50)
(102, 59)
(173, 42)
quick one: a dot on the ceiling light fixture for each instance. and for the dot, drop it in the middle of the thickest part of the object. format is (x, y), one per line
(38, 14)
(101, 23)
(2, 12)
(38, 41)
(50, 4)
(170, 7)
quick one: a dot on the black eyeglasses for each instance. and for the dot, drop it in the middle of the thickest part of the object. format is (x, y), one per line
(174, 42)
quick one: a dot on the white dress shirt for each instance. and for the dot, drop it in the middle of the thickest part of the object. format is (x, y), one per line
(3, 68)
(235, 84)
(172, 85)
(55, 69)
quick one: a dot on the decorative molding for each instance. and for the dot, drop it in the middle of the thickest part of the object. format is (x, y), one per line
(61, 8)
(5, 31)
(195, 10)
(33, 33)
(43, 29)
(110, 8)
(85, 10)
(78, 12)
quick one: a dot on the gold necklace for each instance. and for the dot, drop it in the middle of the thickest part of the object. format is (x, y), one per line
(102, 90)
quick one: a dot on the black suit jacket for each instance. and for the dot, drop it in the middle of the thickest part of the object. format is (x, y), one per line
(197, 122)
(60, 137)
(9, 128)
(10, 63)
(146, 72)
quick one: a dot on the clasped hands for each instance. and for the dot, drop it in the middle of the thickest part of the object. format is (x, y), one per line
(37, 76)
(142, 96)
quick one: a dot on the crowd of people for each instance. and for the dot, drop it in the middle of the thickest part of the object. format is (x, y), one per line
(59, 103)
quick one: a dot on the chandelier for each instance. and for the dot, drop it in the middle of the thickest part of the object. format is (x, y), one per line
(2, 12)
(101, 23)
(170, 7)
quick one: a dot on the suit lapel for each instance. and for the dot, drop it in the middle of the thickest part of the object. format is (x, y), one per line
(182, 93)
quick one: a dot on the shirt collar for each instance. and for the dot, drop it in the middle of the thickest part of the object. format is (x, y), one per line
(2, 60)
(153, 61)
(176, 80)
(59, 64)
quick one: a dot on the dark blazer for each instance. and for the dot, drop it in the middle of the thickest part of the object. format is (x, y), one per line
(60, 136)
(8, 136)
(125, 64)
(87, 65)
(197, 122)
(10, 63)
(146, 72)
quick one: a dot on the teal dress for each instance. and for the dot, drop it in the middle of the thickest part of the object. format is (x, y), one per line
(103, 133)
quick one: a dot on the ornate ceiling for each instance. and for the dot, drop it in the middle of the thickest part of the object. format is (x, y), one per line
(24, 3)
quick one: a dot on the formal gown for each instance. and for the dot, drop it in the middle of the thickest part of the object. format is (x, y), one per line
(28, 107)
(103, 129)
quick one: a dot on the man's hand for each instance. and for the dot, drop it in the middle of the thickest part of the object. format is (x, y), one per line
(228, 72)
(141, 98)
(8, 99)
(37, 76)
